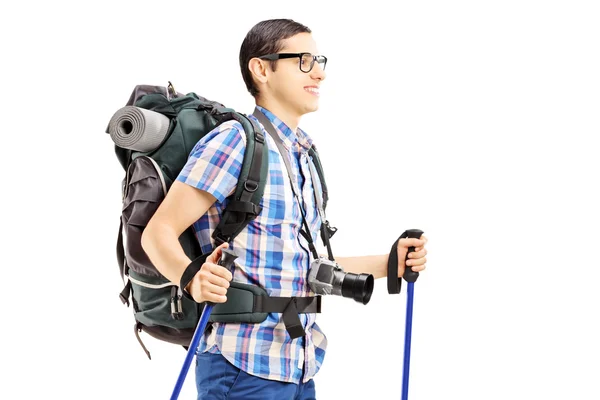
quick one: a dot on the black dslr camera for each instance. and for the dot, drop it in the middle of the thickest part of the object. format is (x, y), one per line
(327, 277)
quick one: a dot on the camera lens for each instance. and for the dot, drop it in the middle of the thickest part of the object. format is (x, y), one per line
(358, 287)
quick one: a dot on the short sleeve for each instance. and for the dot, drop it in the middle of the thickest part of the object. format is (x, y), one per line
(215, 162)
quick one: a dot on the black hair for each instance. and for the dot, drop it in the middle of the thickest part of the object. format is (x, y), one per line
(266, 37)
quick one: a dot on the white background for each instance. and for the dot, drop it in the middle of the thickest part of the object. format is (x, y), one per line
(475, 121)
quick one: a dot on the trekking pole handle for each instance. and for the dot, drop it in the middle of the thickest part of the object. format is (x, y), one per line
(410, 275)
(227, 260)
(394, 282)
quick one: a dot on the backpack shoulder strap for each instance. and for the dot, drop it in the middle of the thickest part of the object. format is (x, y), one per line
(245, 204)
(327, 231)
(319, 167)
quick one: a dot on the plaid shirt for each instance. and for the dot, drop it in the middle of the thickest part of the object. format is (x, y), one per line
(271, 252)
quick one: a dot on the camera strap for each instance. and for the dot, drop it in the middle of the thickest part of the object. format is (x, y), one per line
(305, 232)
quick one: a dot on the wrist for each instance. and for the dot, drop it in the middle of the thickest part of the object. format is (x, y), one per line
(188, 288)
(381, 267)
(187, 277)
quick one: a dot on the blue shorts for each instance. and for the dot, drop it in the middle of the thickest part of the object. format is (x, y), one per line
(218, 379)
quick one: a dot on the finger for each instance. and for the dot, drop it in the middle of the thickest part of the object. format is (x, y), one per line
(219, 250)
(417, 253)
(405, 244)
(212, 289)
(218, 280)
(218, 270)
(215, 298)
(217, 253)
(419, 268)
(417, 261)
(411, 242)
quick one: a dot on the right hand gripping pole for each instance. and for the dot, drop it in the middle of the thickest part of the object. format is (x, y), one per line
(394, 282)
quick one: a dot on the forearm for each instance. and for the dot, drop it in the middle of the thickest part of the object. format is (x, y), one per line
(162, 246)
(375, 265)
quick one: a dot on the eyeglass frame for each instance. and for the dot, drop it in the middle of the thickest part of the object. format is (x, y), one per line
(281, 56)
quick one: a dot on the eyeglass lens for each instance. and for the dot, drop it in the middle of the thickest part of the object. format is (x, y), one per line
(308, 60)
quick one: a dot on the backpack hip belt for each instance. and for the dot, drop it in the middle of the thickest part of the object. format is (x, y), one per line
(251, 303)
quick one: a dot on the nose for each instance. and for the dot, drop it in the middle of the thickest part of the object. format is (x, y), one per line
(318, 73)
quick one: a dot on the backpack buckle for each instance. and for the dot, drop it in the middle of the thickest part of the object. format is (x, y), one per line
(330, 229)
(126, 293)
(220, 239)
(171, 92)
(176, 306)
(260, 138)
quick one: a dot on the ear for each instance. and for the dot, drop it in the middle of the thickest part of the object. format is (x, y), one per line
(258, 69)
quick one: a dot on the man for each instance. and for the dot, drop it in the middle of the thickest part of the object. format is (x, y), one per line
(282, 70)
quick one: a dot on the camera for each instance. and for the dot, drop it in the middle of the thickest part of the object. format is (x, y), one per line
(327, 277)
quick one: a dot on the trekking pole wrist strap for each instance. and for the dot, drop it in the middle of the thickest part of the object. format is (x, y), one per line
(190, 271)
(394, 283)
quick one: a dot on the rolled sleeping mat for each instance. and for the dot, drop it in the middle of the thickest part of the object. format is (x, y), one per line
(138, 129)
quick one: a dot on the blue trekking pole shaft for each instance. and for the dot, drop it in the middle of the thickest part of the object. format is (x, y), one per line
(191, 350)
(227, 259)
(410, 277)
(407, 340)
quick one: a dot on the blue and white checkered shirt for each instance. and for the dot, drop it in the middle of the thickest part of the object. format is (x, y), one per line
(271, 251)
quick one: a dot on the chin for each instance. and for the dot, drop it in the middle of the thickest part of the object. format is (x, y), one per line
(308, 108)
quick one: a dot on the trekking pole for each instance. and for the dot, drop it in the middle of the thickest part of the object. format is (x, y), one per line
(411, 277)
(227, 259)
(394, 286)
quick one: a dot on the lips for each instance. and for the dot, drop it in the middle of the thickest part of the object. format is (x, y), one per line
(312, 89)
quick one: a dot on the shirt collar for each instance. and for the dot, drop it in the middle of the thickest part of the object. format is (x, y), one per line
(288, 137)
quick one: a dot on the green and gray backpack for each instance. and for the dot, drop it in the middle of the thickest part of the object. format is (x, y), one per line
(160, 308)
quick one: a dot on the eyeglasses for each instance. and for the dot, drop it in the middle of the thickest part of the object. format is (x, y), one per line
(306, 62)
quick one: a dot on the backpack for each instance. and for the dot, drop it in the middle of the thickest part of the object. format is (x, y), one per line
(176, 122)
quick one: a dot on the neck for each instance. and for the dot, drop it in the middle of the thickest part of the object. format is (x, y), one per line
(291, 119)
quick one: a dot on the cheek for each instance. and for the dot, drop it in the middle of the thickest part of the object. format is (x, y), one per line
(289, 85)
(296, 85)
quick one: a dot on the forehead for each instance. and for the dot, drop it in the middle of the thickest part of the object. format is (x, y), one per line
(299, 43)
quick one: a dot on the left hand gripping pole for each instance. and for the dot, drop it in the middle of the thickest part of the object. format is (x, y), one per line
(227, 259)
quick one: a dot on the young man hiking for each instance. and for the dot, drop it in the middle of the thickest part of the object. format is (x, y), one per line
(283, 71)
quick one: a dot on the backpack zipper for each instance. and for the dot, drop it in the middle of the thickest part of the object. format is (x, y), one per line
(150, 285)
